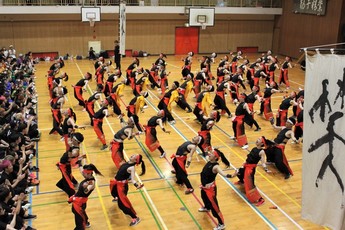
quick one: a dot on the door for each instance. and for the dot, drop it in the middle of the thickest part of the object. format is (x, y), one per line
(186, 40)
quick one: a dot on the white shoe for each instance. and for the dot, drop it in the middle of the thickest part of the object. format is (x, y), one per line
(172, 122)
(245, 146)
(219, 227)
(145, 106)
(232, 138)
(203, 209)
(162, 155)
(29, 189)
(27, 206)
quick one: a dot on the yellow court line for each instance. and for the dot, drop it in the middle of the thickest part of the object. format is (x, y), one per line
(136, 174)
(106, 215)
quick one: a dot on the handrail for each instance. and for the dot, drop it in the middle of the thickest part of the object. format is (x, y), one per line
(191, 3)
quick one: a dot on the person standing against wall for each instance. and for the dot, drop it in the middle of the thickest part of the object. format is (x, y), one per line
(117, 55)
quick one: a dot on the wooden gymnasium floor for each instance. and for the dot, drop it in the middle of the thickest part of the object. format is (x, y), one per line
(161, 204)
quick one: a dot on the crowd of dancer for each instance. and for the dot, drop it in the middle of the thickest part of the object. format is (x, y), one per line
(234, 77)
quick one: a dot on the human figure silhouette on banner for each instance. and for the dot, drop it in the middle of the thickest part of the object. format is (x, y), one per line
(329, 138)
(321, 103)
(341, 92)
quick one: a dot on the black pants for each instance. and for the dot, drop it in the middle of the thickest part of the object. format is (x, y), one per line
(181, 175)
(117, 60)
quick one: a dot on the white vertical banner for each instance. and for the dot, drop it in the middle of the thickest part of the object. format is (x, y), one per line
(324, 141)
(122, 27)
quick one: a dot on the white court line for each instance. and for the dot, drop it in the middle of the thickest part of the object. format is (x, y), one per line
(281, 210)
(296, 83)
(144, 189)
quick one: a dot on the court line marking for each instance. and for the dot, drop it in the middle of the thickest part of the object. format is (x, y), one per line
(107, 184)
(96, 197)
(270, 224)
(136, 174)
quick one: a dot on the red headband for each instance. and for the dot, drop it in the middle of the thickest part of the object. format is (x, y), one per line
(87, 171)
(215, 153)
(242, 96)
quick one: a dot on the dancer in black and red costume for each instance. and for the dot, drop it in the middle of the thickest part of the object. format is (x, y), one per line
(119, 186)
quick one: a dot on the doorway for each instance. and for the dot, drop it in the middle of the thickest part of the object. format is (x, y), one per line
(186, 40)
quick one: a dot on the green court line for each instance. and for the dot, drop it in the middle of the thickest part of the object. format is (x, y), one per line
(60, 154)
(92, 146)
(94, 197)
(170, 185)
(151, 211)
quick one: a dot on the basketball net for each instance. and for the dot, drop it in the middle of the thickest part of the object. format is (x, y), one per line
(203, 26)
(92, 22)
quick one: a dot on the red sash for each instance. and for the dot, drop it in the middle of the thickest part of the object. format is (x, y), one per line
(181, 161)
(251, 192)
(151, 142)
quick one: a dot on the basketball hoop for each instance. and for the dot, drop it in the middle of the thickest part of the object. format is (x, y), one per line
(203, 26)
(91, 16)
(92, 22)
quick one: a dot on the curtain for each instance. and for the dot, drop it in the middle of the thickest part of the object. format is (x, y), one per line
(324, 141)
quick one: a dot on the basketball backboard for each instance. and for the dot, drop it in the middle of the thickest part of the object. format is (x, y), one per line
(201, 16)
(90, 13)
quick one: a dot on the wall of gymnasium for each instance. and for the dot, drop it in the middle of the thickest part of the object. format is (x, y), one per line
(304, 30)
(67, 34)
(342, 26)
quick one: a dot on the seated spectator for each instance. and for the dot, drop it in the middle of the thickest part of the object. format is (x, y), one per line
(12, 206)
(18, 131)
(92, 54)
(7, 221)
